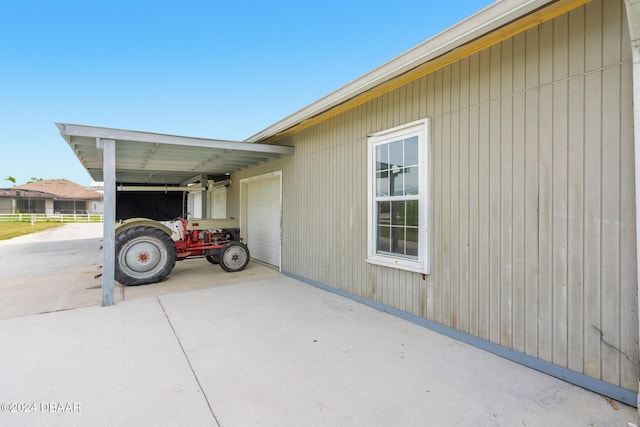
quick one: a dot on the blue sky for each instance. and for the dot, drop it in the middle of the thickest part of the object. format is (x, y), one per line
(198, 68)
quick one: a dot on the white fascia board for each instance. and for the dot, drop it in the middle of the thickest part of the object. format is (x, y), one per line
(70, 130)
(483, 22)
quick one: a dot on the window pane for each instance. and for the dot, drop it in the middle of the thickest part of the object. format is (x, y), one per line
(397, 240)
(411, 213)
(382, 157)
(397, 213)
(411, 151)
(384, 241)
(411, 181)
(384, 213)
(395, 154)
(382, 184)
(397, 182)
(412, 241)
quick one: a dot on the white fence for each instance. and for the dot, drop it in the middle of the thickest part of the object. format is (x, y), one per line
(32, 218)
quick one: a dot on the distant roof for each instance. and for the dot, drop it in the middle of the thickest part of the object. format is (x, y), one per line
(23, 193)
(62, 189)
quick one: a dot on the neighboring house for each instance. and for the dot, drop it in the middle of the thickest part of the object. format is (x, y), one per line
(15, 200)
(482, 184)
(69, 197)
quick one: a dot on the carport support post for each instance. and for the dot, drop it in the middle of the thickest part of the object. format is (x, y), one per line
(108, 147)
(205, 193)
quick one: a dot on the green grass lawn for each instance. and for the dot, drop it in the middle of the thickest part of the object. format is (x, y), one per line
(15, 229)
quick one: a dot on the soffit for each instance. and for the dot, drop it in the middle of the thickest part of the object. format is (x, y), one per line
(151, 158)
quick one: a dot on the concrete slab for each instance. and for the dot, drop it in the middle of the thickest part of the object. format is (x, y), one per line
(275, 352)
(198, 273)
(282, 353)
(55, 270)
(98, 366)
(266, 352)
(50, 271)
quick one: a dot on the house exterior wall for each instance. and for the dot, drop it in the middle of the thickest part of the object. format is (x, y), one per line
(7, 205)
(533, 232)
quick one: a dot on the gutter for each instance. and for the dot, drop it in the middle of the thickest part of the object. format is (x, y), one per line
(633, 16)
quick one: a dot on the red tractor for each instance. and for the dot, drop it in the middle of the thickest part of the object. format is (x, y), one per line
(146, 252)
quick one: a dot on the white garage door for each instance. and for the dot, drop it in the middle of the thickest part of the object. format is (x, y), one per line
(263, 220)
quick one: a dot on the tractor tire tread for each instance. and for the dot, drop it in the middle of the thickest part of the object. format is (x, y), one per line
(140, 231)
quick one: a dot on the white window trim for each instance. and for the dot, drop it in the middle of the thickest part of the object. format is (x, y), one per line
(421, 128)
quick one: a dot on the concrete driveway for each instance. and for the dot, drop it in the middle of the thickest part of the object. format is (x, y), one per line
(55, 270)
(271, 352)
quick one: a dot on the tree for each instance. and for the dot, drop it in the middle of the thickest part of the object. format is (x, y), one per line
(12, 179)
(32, 179)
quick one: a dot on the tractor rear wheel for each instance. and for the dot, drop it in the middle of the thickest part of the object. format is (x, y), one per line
(234, 256)
(213, 259)
(144, 255)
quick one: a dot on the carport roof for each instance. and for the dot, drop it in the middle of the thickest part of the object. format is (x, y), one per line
(152, 158)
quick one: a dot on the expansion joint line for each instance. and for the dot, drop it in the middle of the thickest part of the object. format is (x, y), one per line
(189, 363)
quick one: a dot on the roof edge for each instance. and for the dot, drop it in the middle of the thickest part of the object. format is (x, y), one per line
(68, 130)
(477, 25)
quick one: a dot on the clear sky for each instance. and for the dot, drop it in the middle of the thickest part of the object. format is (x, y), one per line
(216, 69)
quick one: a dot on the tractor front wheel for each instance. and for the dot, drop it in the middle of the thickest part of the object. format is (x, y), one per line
(144, 255)
(234, 256)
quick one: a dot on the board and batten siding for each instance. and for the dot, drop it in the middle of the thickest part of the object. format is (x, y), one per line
(533, 232)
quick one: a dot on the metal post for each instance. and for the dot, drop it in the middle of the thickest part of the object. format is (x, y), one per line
(205, 199)
(108, 147)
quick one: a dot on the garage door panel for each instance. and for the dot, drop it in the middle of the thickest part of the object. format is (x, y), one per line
(259, 237)
(270, 212)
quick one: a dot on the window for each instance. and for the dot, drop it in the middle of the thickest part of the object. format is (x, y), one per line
(398, 197)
